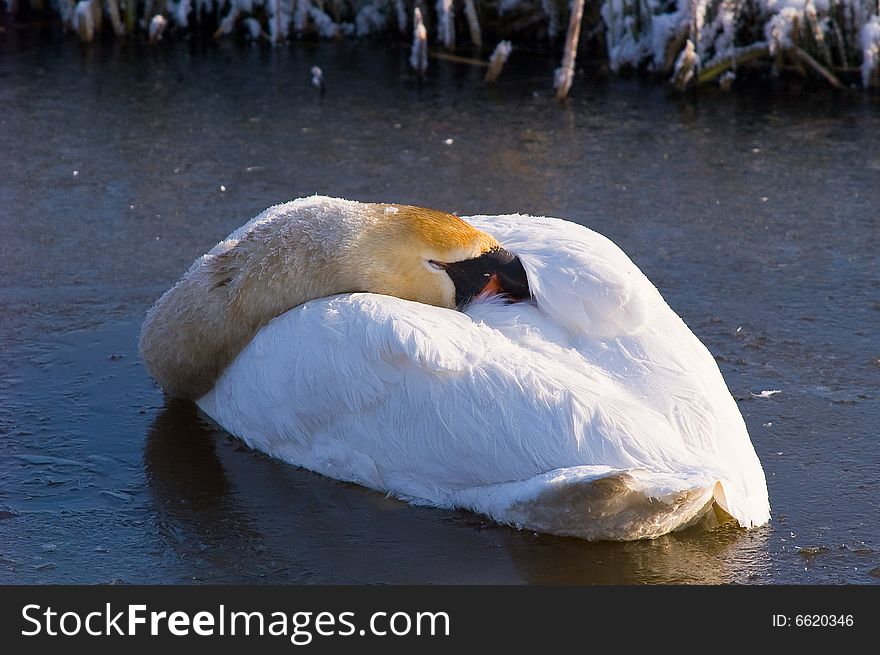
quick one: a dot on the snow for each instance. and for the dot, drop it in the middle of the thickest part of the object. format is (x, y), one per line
(280, 16)
(549, 8)
(228, 23)
(401, 15)
(157, 27)
(326, 26)
(870, 39)
(502, 51)
(301, 16)
(419, 57)
(318, 78)
(498, 59)
(650, 34)
(686, 65)
(446, 23)
(779, 28)
(84, 20)
(369, 19)
(180, 11)
(641, 32)
(253, 27)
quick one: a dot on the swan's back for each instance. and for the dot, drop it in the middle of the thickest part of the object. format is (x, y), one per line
(593, 411)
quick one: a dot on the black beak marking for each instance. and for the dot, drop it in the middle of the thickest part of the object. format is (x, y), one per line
(471, 276)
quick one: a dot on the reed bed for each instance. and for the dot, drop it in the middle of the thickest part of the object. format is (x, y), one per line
(689, 43)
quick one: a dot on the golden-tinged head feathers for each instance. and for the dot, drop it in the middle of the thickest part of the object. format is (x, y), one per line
(291, 254)
(441, 230)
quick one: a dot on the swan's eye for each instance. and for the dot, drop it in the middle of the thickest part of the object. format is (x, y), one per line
(436, 266)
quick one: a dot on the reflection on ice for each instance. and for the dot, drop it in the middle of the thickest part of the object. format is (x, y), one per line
(231, 514)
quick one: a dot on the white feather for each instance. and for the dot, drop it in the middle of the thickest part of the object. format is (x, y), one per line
(592, 411)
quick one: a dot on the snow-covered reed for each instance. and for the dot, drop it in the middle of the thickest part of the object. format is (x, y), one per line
(689, 42)
(497, 60)
(419, 57)
(318, 79)
(870, 41)
(157, 28)
(87, 19)
(446, 23)
(564, 75)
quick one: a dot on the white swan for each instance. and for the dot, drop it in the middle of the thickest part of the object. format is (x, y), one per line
(591, 410)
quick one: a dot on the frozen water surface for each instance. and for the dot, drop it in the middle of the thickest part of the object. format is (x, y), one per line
(757, 217)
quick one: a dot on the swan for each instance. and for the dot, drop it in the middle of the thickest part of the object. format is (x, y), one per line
(412, 352)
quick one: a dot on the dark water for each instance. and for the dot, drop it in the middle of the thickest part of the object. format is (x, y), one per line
(757, 218)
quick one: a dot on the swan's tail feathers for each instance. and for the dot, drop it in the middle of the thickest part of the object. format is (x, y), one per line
(598, 503)
(747, 504)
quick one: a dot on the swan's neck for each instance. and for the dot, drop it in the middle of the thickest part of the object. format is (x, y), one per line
(274, 263)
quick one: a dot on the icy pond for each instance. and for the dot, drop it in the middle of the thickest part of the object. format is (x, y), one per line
(758, 217)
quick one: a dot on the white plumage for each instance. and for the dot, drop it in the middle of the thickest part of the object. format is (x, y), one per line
(592, 411)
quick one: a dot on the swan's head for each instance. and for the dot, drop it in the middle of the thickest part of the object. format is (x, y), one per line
(309, 249)
(436, 258)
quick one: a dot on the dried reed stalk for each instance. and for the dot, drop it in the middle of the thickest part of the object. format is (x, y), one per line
(470, 13)
(565, 73)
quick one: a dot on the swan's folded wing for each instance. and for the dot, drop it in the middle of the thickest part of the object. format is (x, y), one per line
(381, 391)
(423, 401)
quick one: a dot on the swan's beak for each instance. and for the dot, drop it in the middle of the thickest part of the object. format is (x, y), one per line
(495, 272)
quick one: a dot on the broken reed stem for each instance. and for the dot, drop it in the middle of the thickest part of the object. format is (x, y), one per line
(458, 59)
(806, 58)
(565, 73)
(497, 61)
(157, 27)
(741, 56)
(686, 65)
(673, 48)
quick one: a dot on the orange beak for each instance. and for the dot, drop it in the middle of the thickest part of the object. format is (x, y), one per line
(492, 288)
(495, 272)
